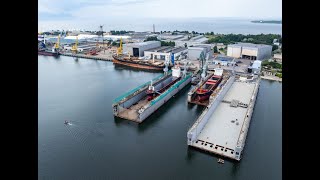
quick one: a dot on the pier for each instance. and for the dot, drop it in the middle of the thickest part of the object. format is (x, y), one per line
(97, 57)
(222, 127)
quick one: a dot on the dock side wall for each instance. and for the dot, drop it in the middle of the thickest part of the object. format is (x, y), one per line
(207, 113)
(246, 124)
(133, 99)
(143, 93)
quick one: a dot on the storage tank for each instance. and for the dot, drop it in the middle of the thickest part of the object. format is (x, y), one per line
(176, 71)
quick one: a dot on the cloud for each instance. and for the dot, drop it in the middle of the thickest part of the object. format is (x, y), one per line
(100, 11)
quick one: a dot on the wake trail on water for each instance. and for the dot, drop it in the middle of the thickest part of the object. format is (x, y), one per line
(82, 135)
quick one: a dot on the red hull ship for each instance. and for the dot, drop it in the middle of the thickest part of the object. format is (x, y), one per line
(204, 92)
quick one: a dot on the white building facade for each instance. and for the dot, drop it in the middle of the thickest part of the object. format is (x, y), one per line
(249, 51)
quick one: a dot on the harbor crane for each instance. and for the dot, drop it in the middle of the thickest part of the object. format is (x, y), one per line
(74, 48)
(56, 46)
(119, 51)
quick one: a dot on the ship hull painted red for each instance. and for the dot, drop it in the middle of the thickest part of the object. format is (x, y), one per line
(202, 96)
(205, 96)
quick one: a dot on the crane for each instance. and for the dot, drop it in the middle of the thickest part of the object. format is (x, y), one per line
(75, 46)
(119, 51)
(57, 44)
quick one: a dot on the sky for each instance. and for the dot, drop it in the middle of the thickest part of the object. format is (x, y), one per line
(64, 12)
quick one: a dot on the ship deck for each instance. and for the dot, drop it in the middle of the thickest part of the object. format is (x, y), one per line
(222, 131)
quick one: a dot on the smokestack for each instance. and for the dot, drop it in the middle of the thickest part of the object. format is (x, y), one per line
(153, 29)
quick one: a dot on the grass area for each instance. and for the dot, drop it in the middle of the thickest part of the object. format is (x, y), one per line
(279, 75)
(272, 64)
(210, 36)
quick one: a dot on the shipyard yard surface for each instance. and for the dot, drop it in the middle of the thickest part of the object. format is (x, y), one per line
(98, 146)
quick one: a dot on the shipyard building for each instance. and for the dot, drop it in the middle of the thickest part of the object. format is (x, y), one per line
(137, 49)
(195, 51)
(80, 48)
(182, 40)
(165, 53)
(255, 67)
(223, 60)
(249, 51)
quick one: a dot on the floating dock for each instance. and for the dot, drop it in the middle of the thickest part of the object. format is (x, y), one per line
(136, 105)
(222, 127)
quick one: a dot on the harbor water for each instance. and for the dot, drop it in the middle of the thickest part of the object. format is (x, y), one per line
(96, 145)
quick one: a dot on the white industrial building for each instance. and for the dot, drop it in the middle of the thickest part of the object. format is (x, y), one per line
(182, 40)
(250, 51)
(223, 60)
(137, 49)
(80, 48)
(195, 51)
(165, 52)
(278, 57)
(255, 68)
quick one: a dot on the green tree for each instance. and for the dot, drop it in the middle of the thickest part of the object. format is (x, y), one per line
(151, 38)
(274, 47)
(215, 49)
(212, 33)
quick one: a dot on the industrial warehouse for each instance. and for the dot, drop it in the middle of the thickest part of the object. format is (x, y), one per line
(137, 49)
(250, 51)
(165, 53)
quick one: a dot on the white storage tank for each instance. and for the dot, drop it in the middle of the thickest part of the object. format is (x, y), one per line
(176, 71)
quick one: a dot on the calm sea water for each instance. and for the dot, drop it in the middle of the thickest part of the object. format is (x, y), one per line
(202, 25)
(98, 146)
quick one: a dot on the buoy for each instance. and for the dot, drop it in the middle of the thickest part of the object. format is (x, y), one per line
(221, 161)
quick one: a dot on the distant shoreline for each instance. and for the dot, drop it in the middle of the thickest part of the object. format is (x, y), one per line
(268, 22)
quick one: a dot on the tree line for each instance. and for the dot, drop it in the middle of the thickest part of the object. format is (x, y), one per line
(113, 32)
(255, 39)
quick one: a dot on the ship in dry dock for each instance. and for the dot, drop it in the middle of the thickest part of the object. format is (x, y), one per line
(139, 103)
(208, 87)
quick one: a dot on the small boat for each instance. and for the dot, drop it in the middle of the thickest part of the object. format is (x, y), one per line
(66, 122)
(221, 161)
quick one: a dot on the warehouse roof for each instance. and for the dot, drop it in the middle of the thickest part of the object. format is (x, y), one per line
(167, 49)
(249, 45)
(256, 64)
(143, 43)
